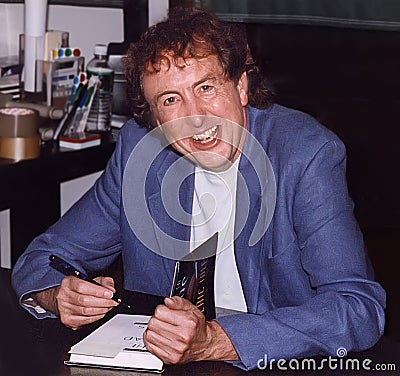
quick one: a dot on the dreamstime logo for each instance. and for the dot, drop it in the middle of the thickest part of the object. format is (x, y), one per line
(340, 362)
(341, 352)
(157, 182)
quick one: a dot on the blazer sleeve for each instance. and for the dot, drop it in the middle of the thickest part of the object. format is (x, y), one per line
(347, 308)
(87, 236)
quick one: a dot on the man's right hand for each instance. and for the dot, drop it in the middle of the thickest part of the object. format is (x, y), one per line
(78, 302)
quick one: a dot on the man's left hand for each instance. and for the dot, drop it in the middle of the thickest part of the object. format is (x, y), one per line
(178, 333)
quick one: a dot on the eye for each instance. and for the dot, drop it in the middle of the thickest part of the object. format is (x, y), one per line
(169, 101)
(205, 88)
(206, 91)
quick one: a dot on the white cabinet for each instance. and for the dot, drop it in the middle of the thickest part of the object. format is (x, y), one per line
(72, 190)
(5, 239)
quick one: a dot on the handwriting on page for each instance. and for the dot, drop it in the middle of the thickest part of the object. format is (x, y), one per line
(136, 342)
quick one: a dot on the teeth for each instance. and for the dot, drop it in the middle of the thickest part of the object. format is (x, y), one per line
(207, 136)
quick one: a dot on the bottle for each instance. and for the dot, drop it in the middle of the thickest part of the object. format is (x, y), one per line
(99, 119)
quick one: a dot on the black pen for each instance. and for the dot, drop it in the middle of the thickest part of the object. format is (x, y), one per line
(67, 269)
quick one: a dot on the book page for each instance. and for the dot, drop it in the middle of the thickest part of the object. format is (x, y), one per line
(122, 332)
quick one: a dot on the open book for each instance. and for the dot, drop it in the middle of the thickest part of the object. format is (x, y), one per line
(118, 344)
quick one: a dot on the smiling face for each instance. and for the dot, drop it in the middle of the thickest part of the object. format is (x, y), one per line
(200, 111)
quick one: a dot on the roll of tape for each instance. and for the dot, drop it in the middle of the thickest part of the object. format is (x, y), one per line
(18, 122)
(19, 148)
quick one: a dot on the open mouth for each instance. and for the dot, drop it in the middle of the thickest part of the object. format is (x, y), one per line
(208, 136)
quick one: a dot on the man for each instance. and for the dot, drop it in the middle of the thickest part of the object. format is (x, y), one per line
(270, 180)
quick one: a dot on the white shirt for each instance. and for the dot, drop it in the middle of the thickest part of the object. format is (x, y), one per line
(213, 209)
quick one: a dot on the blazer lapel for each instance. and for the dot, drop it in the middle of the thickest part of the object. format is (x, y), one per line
(255, 204)
(248, 257)
(171, 205)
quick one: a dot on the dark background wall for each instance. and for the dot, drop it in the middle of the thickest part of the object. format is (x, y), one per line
(349, 79)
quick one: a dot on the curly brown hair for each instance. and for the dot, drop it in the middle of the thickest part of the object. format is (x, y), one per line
(191, 33)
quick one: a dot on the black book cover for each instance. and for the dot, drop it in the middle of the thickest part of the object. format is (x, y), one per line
(194, 277)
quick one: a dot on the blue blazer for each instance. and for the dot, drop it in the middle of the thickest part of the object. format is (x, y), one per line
(307, 280)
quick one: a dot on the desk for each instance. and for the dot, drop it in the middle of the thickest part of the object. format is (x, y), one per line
(38, 347)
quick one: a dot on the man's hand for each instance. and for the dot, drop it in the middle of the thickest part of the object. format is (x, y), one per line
(78, 302)
(178, 333)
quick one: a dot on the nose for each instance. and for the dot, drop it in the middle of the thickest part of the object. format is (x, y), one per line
(197, 120)
(195, 112)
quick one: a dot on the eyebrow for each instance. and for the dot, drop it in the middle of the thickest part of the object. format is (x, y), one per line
(198, 82)
(204, 79)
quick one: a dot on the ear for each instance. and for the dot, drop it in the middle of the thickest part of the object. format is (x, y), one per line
(242, 87)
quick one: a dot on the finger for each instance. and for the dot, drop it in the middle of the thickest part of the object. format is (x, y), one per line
(176, 321)
(160, 353)
(93, 301)
(164, 328)
(162, 348)
(84, 311)
(107, 282)
(171, 338)
(69, 300)
(80, 300)
(177, 309)
(178, 303)
(75, 316)
(161, 339)
(86, 288)
(76, 322)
